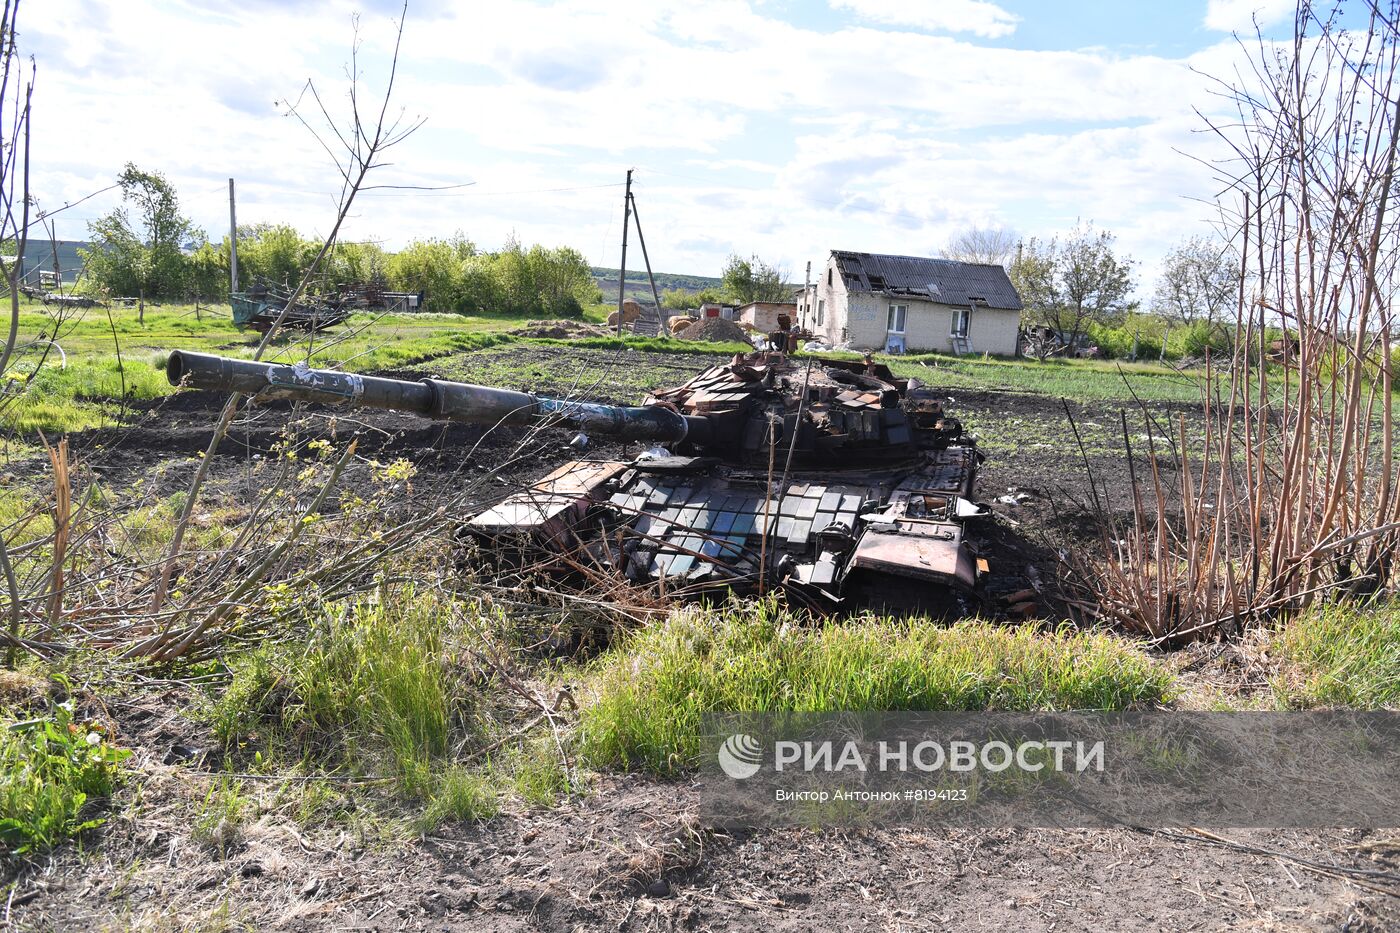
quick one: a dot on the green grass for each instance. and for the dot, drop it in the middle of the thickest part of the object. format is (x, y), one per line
(220, 817)
(54, 776)
(536, 773)
(1341, 656)
(459, 795)
(653, 689)
(85, 389)
(381, 691)
(370, 685)
(1081, 380)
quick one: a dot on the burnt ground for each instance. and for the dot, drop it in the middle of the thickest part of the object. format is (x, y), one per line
(628, 854)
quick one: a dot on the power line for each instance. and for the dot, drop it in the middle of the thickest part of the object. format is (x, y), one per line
(468, 194)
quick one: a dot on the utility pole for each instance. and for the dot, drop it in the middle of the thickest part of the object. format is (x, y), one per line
(232, 241)
(622, 272)
(806, 289)
(645, 258)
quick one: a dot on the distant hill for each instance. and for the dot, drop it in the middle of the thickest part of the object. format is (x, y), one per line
(637, 286)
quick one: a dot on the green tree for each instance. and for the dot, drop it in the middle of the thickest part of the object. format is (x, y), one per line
(1067, 284)
(515, 278)
(274, 253)
(131, 257)
(355, 262)
(546, 282)
(439, 269)
(678, 299)
(478, 290)
(752, 279)
(683, 299)
(563, 281)
(208, 272)
(455, 276)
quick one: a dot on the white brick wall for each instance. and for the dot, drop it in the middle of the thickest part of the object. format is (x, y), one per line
(861, 319)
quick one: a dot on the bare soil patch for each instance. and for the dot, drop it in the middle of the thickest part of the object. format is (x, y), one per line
(630, 856)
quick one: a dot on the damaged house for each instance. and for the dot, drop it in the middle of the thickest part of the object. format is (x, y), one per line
(900, 304)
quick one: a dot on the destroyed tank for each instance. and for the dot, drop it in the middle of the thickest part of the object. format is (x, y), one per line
(832, 480)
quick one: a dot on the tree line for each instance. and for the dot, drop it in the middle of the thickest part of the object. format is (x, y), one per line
(147, 247)
(743, 280)
(1080, 286)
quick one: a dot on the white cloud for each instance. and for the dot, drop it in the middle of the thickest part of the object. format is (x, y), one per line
(1240, 15)
(978, 17)
(750, 133)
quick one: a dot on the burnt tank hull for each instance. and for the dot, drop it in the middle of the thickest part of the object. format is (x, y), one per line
(831, 480)
(873, 513)
(886, 539)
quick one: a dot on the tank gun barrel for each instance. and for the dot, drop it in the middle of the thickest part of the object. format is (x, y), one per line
(433, 398)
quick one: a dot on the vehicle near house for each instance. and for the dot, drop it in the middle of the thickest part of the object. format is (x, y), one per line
(912, 304)
(1040, 341)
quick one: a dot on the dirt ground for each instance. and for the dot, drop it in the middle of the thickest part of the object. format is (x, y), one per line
(628, 855)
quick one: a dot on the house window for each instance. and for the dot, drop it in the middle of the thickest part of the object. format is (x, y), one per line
(821, 311)
(897, 316)
(828, 278)
(961, 319)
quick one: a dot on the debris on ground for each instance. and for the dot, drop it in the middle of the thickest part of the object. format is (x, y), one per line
(561, 330)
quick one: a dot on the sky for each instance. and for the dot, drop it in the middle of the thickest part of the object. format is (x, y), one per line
(782, 128)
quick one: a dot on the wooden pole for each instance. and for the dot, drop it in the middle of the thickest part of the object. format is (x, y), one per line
(646, 259)
(232, 241)
(622, 271)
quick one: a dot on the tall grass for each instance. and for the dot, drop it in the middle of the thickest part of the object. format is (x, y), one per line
(371, 683)
(653, 689)
(1342, 656)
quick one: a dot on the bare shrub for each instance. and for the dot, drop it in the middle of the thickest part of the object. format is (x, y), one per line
(1290, 498)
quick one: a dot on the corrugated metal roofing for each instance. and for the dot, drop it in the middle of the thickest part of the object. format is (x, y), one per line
(943, 280)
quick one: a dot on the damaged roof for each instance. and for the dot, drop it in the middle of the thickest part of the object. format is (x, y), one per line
(943, 280)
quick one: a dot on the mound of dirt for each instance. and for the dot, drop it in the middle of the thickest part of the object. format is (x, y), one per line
(560, 330)
(715, 330)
